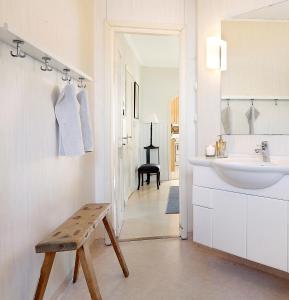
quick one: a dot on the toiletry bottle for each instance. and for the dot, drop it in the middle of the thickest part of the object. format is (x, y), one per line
(217, 147)
(222, 145)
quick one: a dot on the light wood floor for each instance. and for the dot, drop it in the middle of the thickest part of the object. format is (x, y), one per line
(145, 213)
(172, 269)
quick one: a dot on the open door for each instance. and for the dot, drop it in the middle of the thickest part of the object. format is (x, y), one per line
(119, 127)
(124, 165)
(131, 146)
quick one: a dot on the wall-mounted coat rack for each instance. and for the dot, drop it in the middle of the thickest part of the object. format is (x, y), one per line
(276, 99)
(47, 60)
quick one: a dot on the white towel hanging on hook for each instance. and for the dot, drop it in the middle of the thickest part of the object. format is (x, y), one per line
(252, 115)
(85, 121)
(67, 115)
(226, 118)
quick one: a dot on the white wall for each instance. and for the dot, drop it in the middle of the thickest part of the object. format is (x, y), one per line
(158, 87)
(244, 144)
(158, 12)
(51, 26)
(39, 190)
(128, 57)
(210, 14)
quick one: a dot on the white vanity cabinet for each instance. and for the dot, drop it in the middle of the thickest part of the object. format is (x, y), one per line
(267, 232)
(229, 222)
(202, 220)
(202, 215)
(251, 224)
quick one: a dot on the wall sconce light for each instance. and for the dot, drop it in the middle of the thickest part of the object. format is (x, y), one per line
(216, 54)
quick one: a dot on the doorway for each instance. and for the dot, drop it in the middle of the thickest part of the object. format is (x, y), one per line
(146, 74)
(119, 143)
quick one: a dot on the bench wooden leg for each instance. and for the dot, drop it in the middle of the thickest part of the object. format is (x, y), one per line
(44, 275)
(88, 271)
(116, 247)
(76, 267)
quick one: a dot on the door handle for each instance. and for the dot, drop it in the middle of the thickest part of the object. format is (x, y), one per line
(124, 140)
(127, 137)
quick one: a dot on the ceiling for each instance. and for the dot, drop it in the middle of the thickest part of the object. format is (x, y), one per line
(278, 11)
(155, 50)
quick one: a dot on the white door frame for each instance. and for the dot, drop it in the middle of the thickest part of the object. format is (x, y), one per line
(111, 30)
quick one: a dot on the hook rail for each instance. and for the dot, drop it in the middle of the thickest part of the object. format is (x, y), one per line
(48, 61)
(276, 100)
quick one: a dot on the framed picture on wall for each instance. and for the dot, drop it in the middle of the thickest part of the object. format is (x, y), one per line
(136, 100)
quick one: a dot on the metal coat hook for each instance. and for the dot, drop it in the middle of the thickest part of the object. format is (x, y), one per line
(228, 102)
(252, 102)
(82, 84)
(46, 66)
(276, 102)
(66, 76)
(19, 52)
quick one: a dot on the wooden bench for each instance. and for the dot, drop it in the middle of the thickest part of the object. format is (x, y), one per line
(73, 234)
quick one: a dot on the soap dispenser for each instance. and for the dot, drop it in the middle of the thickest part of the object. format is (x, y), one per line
(221, 148)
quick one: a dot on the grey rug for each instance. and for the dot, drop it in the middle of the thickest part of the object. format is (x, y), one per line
(173, 206)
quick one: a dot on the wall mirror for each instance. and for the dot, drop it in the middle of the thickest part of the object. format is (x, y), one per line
(255, 84)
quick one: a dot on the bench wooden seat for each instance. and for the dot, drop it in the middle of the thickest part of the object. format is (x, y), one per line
(73, 235)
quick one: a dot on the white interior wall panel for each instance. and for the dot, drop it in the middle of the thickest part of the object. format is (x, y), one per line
(152, 11)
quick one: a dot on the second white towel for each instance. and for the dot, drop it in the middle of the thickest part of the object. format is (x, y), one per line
(252, 115)
(85, 121)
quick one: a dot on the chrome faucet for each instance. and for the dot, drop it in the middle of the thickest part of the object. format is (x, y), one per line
(264, 150)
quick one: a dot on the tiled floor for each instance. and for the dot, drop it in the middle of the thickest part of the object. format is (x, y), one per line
(145, 213)
(172, 269)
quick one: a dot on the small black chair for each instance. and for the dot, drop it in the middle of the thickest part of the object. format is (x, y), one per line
(149, 169)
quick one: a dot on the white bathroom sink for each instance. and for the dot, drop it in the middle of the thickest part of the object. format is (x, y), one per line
(250, 173)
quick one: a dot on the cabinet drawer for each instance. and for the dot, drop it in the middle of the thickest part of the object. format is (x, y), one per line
(202, 197)
(202, 225)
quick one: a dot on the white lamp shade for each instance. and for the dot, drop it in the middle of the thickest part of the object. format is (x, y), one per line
(152, 119)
